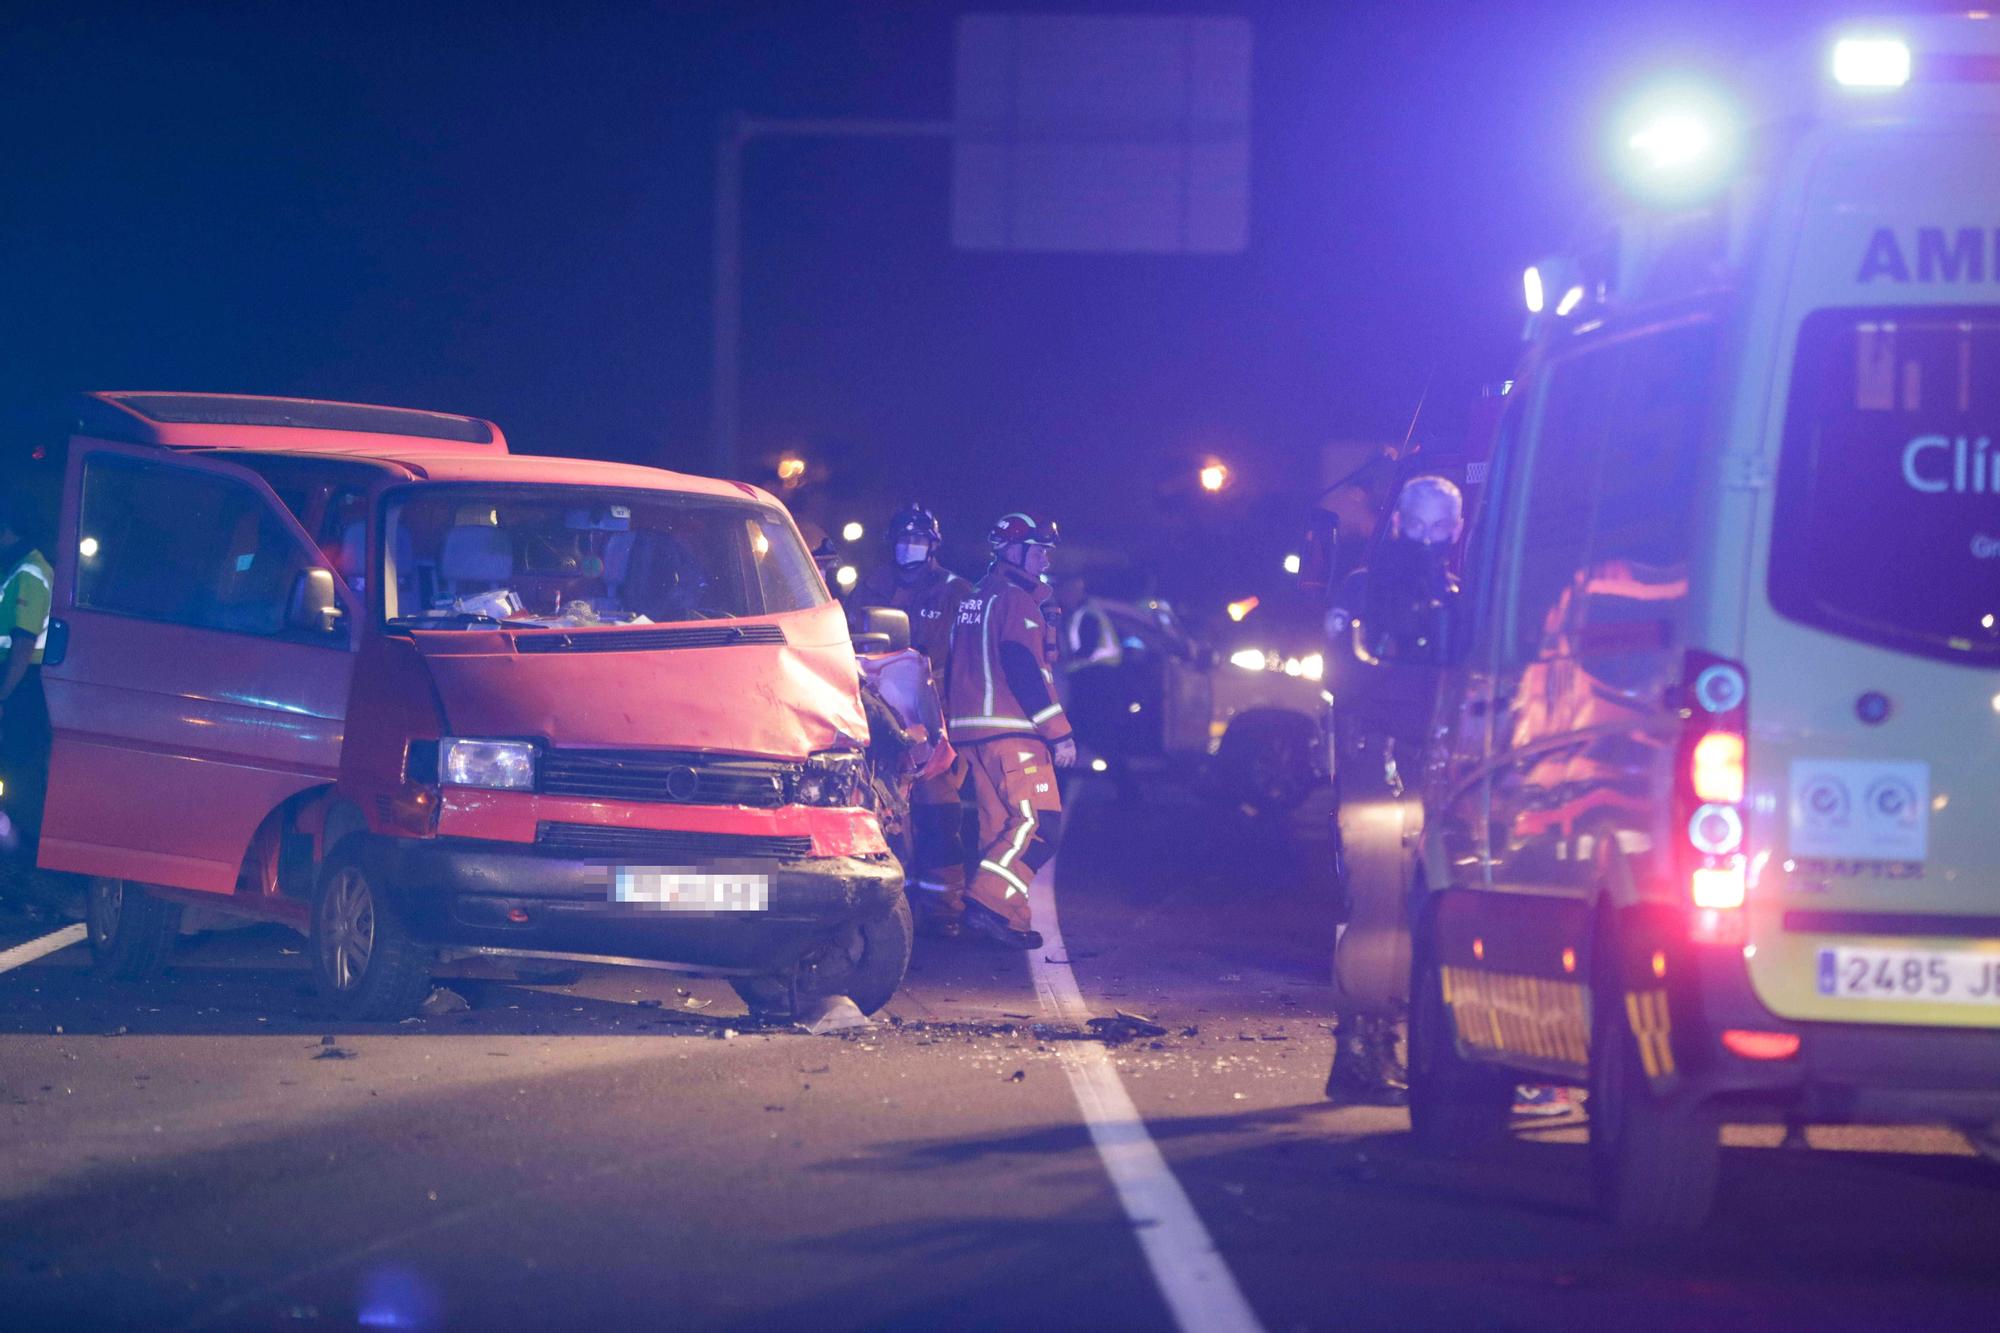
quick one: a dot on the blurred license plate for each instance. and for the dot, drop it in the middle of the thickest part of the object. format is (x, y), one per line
(690, 890)
(1933, 975)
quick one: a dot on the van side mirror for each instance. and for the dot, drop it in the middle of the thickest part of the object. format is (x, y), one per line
(313, 607)
(885, 621)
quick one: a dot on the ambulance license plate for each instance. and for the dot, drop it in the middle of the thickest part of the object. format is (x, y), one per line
(1934, 976)
(671, 890)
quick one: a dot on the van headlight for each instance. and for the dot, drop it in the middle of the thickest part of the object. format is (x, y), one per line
(831, 777)
(494, 765)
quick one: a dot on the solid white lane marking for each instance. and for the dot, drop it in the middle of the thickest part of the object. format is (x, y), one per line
(22, 954)
(1196, 1284)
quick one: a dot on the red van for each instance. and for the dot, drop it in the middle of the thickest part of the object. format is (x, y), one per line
(362, 671)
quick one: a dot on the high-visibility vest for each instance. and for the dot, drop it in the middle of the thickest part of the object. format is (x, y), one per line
(35, 568)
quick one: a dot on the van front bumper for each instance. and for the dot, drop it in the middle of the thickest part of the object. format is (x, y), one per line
(465, 895)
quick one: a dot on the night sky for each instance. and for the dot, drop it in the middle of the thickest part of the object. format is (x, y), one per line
(505, 211)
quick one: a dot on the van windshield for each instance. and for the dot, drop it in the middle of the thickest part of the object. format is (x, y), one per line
(1888, 524)
(463, 557)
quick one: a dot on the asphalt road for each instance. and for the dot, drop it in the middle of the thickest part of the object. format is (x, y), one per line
(628, 1152)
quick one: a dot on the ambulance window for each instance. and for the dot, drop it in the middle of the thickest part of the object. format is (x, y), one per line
(1646, 483)
(1888, 504)
(1634, 596)
(1554, 532)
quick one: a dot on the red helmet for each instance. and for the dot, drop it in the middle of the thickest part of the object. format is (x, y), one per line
(1024, 527)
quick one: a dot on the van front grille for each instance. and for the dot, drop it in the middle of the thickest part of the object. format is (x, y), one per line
(662, 775)
(666, 847)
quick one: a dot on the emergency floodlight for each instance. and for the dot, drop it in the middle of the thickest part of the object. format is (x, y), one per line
(1571, 300)
(1674, 141)
(1677, 144)
(1531, 286)
(1871, 62)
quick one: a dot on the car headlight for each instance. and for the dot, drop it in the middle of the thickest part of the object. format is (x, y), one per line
(1250, 659)
(832, 777)
(496, 765)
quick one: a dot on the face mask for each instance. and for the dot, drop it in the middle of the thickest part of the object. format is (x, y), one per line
(912, 553)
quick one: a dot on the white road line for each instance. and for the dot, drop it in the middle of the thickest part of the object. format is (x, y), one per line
(1196, 1284)
(22, 954)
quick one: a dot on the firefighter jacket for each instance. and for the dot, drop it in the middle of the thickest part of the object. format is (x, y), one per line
(999, 682)
(931, 601)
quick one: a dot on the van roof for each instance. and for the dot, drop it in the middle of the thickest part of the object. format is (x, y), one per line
(292, 425)
(544, 470)
(433, 446)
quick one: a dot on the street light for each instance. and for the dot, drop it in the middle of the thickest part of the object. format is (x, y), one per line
(851, 533)
(847, 576)
(1214, 476)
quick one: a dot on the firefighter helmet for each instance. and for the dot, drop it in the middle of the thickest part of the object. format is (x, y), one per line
(1024, 527)
(913, 520)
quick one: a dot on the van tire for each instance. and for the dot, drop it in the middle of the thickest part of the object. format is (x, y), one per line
(1456, 1106)
(865, 961)
(1653, 1164)
(1265, 762)
(367, 965)
(131, 932)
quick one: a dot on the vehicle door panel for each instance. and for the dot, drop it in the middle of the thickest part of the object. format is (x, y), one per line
(174, 736)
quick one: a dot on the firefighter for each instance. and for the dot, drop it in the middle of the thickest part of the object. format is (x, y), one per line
(1000, 705)
(915, 583)
(26, 583)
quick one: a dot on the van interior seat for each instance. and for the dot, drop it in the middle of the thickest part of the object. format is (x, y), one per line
(475, 557)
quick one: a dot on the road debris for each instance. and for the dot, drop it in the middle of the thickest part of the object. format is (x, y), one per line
(1018, 1076)
(442, 1001)
(835, 1013)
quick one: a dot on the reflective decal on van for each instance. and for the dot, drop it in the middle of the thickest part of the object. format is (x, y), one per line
(1868, 810)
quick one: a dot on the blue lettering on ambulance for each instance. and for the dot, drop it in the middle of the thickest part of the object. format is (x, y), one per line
(1943, 255)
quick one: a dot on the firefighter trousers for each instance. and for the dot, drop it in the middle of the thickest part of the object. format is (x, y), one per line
(938, 845)
(1020, 818)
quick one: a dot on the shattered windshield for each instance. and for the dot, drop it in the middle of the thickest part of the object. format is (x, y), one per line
(460, 557)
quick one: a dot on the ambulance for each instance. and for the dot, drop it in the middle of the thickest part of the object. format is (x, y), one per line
(1710, 820)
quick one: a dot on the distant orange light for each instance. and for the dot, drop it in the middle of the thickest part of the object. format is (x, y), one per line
(1479, 949)
(791, 468)
(1238, 610)
(1569, 960)
(1761, 1045)
(1718, 768)
(1214, 476)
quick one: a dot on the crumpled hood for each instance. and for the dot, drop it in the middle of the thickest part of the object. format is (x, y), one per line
(772, 700)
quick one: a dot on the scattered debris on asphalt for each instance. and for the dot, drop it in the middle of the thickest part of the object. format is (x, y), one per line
(442, 1001)
(835, 1013)
(1018, 1076)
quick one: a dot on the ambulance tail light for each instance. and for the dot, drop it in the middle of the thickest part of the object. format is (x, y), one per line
(1710, 779)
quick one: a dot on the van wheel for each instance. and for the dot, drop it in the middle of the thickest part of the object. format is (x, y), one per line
(864, 961)
(1456, 1105)
(131, 932)
(1265, 762)
(368, 966)
(1653, 1164)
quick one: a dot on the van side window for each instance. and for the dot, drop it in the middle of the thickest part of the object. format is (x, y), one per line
(1554, 540)
(188, 547)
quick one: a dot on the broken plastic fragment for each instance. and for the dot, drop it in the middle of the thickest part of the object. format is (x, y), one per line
(834, 1013)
